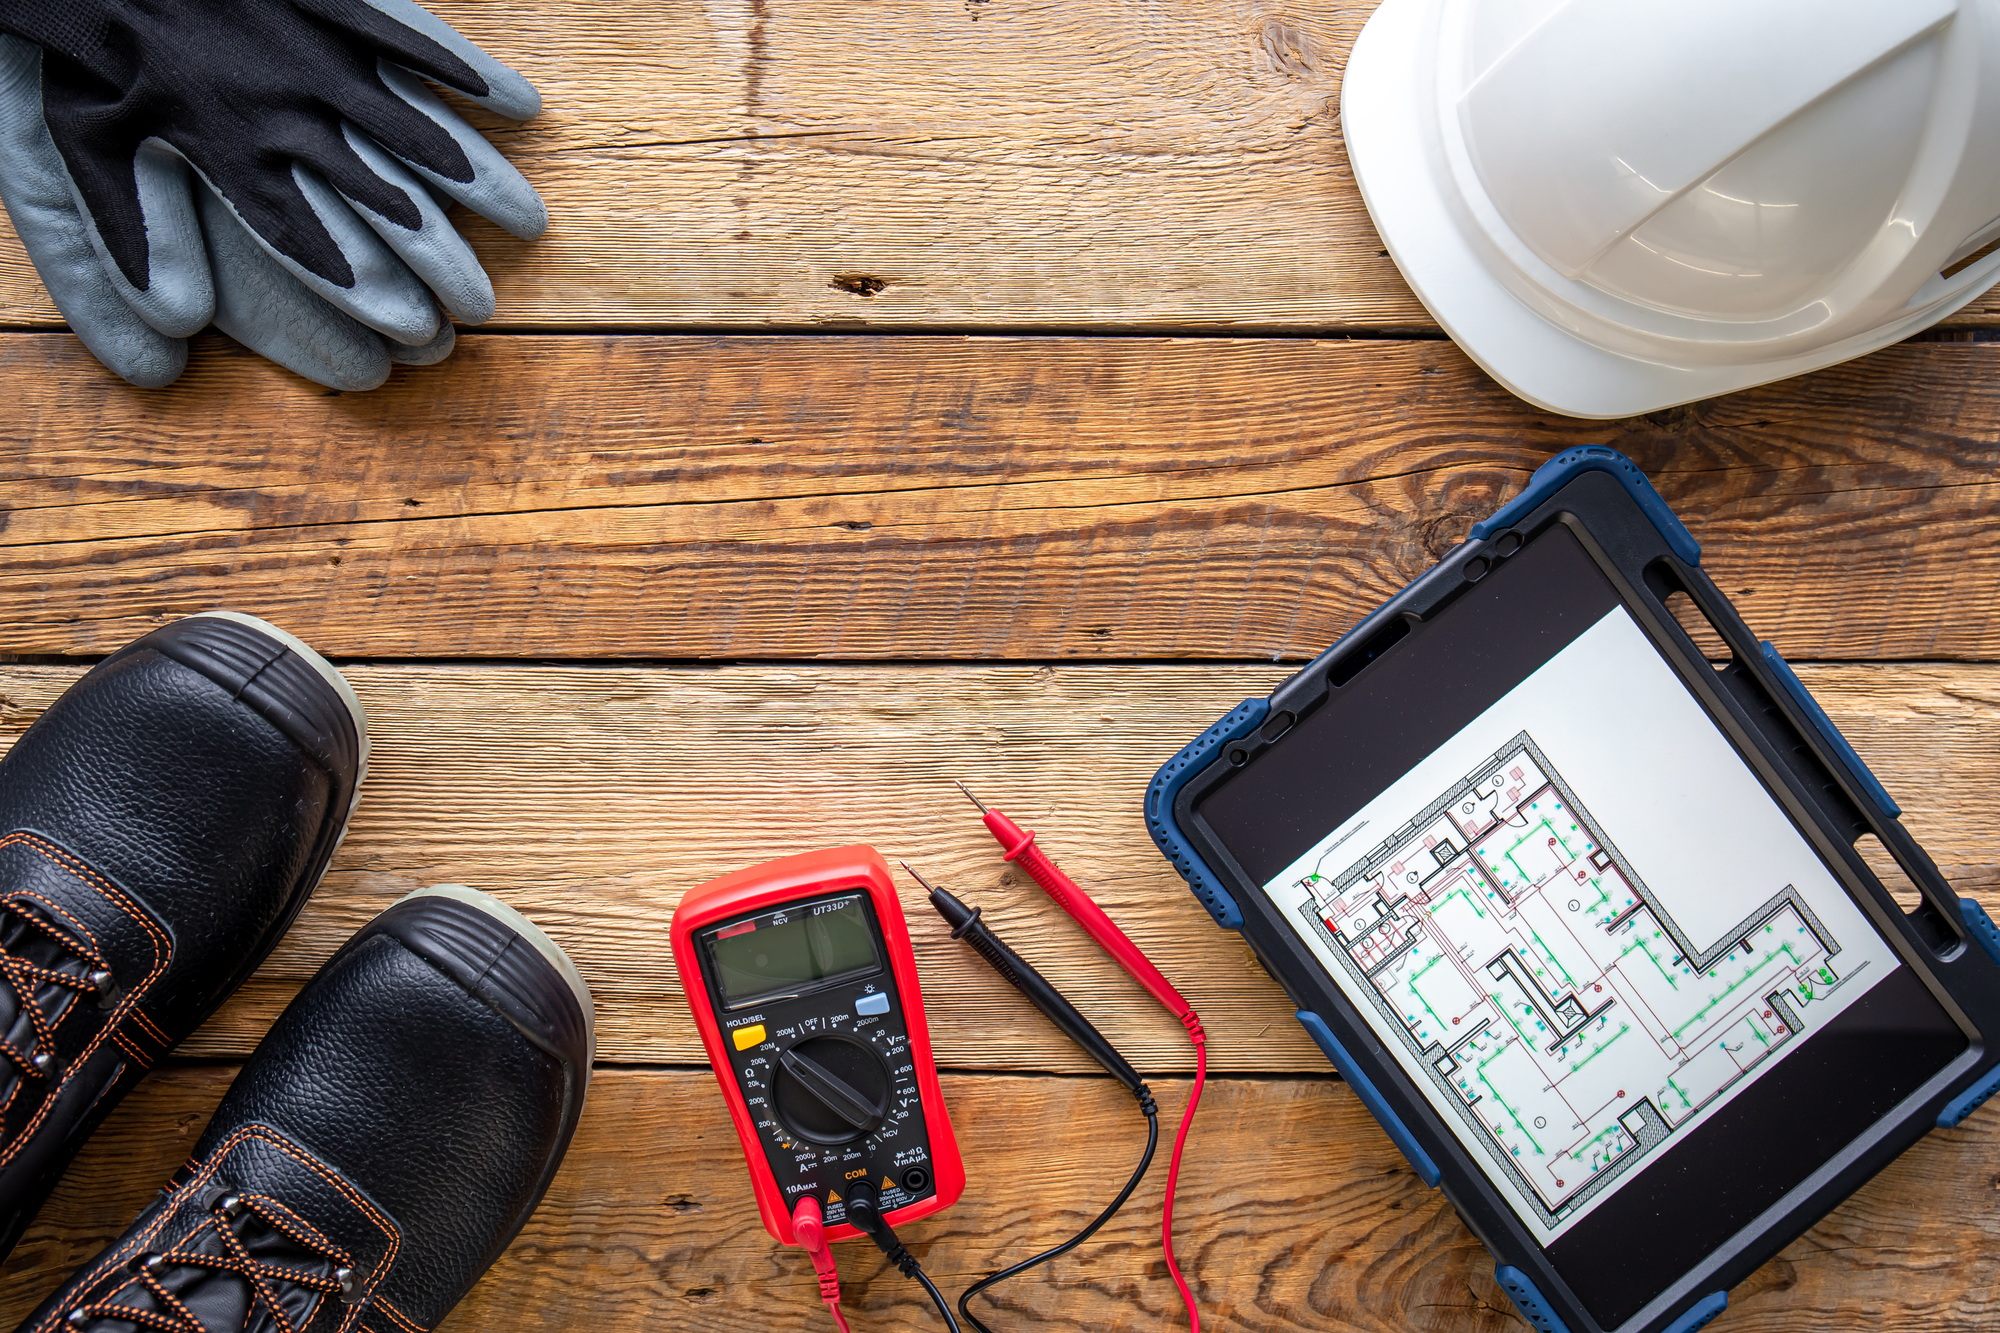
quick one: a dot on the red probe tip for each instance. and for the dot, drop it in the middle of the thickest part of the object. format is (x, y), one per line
(969, 796)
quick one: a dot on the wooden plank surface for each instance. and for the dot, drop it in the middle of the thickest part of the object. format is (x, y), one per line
(1049, 164)
(1295, 1213)
(592, 798)
(939, 498)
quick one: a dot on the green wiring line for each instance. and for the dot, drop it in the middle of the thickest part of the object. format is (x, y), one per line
(1601, 1049)
(1550, 954)
(1735, 986)
(1411, 986)
(1640, 945)
(1480, 1073)
(1438, 906)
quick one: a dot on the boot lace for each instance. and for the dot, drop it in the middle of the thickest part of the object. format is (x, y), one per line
(25, 935)
(168, 1312)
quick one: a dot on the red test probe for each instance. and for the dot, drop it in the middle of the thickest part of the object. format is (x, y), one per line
(1018, 845)
(809, 1225)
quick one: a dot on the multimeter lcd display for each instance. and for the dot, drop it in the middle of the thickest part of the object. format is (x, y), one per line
(1582, 924)
(786, 952)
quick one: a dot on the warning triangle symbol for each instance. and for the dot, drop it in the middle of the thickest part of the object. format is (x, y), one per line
(833, 1196)
(887, 1183)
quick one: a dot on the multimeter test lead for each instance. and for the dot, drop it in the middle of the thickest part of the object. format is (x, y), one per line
(1018, 845)
(966, 925)
(809, 1225)
(864, 1211)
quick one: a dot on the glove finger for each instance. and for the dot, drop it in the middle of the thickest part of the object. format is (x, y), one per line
(506, 91)
(432, 352)
(179, 296)
(384, 294)
(260, 303)
(497, 191)
(433, 249)
(36, 190)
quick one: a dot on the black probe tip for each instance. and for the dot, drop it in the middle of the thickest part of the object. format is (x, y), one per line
(949, 906)
(1021, 975)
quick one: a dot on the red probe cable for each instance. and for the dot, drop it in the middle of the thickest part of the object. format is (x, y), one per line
(809, 1225)
(1018, 845)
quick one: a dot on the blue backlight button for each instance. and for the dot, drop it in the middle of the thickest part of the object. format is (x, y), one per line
(870, 1005)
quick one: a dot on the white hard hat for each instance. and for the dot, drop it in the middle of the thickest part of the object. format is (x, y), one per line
(1619, 205)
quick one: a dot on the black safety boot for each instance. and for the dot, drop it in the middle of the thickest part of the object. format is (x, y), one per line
(160, 827)
(381, 1148)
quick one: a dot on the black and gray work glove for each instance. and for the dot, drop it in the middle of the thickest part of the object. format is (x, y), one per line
(274, 166)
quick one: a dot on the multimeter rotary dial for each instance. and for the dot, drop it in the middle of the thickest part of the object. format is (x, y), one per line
(831, 1089)
(833, 1093)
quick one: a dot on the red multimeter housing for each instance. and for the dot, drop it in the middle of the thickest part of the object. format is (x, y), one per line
(801, 979)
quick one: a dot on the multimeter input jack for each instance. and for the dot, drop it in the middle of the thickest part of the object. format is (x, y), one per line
(916, 1180)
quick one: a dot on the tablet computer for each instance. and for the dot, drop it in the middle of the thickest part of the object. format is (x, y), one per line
(1579, 912)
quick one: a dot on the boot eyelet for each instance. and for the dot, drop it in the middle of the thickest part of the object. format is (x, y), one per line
(153, 1263)
(350, 1285)
(76, 1318)
(107, 988)
(43, 1062)
(231, 1205)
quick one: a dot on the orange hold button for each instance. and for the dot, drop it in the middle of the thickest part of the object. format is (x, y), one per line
(745, 1038)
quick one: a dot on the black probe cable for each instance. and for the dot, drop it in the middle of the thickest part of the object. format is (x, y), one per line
(1056, 1252)
(864, 1210)
(966, 925)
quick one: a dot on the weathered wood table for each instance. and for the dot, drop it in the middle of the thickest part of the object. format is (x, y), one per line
(995, 389)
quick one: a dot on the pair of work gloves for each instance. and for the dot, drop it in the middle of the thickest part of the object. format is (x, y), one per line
(278, 168)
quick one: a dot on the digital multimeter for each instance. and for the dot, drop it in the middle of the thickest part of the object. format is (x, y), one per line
(801, 980)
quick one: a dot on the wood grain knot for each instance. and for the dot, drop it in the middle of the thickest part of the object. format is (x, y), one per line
(1289, 49)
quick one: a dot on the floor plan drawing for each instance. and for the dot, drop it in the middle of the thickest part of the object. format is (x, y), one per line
(1556, 1004)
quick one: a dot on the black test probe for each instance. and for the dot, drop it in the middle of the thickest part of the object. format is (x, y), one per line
(864, 1210)
(966, 925)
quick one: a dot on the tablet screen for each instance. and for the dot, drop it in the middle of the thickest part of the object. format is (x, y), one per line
(1580, 922)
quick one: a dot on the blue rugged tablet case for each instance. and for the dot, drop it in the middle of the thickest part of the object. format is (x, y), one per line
(1633, 527)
